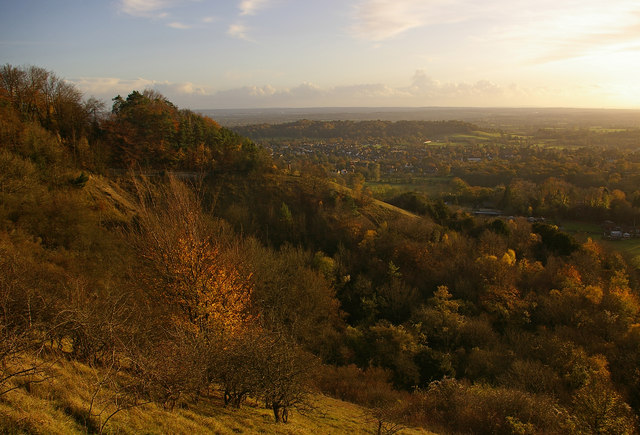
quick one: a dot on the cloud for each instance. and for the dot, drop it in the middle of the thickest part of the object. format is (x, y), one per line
(551, 31)
(426, 88)
(178, 25)
(378, 20)
(106, 88)
(239, 30)
(250, 7)
(421, 91)
(147, 8)
(158, 9)
(557, 31)
(109, 87)
(179, 89)
(593, 40)
(247, 7)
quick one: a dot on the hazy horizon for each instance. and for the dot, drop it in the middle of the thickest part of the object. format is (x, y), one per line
(488, 117)
(359, 53)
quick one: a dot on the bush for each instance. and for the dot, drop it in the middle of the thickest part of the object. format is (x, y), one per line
(352, 384)
(481, 409)
(387, 408)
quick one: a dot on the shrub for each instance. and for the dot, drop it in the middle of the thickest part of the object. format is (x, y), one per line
(481, 409)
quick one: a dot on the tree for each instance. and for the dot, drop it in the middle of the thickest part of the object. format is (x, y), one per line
(142, 128)
(601, 410)
(286, 372)
(440, 321)
(291, 296)
(185, 267)
(39, 95)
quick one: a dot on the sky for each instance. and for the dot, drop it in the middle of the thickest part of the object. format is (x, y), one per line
(221, 54)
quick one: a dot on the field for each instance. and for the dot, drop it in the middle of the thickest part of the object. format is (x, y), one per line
(581, 231)
(473, 137)
(431, 186)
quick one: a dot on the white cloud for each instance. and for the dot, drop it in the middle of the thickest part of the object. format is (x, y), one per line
(377, 20)
(178, 25)
(547, 31)
(421, 91)
(247, 7)
(555, 31)
(239, 30)
(109, 87)
(147, 8)
(106, 88)
(158, 9)
(170, 89)
(250, 7)
(481, 92)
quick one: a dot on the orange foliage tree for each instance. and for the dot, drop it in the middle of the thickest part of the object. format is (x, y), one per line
(185, 269)
(193, 277)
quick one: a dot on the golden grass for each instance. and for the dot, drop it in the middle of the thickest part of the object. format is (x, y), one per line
(60, 405)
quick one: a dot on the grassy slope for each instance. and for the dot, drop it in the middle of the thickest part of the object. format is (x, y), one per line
(377, 203)
(429, 185)
(60, 404)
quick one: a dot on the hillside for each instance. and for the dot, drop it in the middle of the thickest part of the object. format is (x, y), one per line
(492, 117)
(63, 404)
(157, 263)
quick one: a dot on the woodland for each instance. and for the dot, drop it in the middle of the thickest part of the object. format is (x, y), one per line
(182, 262)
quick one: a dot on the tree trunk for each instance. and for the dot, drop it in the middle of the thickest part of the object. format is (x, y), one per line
(276, 411)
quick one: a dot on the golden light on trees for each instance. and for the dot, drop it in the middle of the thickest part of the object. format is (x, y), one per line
(209, 293)
(184, 266)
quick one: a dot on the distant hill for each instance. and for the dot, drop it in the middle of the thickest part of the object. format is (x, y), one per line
(530, 118)
(354, 130)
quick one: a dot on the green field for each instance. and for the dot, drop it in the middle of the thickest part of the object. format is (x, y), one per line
(430, 186)
(477, 136)
(581, 231)
(600, 129)
(630, 246)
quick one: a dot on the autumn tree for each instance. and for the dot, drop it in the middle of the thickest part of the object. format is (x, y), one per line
(201, 301)
(600, 409)
(286, 373)
(41, 96)
(185, 267)
(290, 295)
(146, 129)
(142, 127)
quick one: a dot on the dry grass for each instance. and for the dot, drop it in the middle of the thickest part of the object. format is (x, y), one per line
(60, 405)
